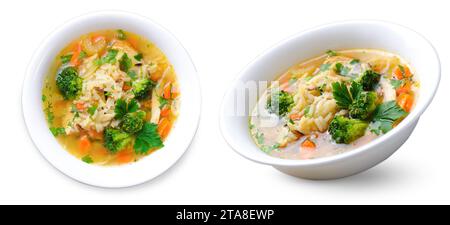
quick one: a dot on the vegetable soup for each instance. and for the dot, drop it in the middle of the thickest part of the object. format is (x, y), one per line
(110, 97)
(333, 103)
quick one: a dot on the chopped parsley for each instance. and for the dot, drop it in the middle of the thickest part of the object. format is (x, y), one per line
(125, 63)
(121, 35)
(56, 131)
(87, 159)
(138, 56)
(110, 57)
(340, 69)
(66, 58)
(91, 110)
(331, 53)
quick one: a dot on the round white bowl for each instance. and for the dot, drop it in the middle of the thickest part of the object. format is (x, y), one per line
(112, 176)
(305, 45)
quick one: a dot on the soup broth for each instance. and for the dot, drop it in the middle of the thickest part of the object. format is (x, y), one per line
(110, 97)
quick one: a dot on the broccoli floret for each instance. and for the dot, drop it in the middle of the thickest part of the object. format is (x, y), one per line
(369, 79)
(116, 139)
(142, 87)
(280, 103)
(346, 130)
(133, 122)
(69, 83)
(363, 106)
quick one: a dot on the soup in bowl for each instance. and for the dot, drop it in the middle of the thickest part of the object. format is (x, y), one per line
(333, 103)
(111, 99)
(317, 113)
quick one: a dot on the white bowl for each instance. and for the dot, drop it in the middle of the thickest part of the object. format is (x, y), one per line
(337, 36)
(113, 176)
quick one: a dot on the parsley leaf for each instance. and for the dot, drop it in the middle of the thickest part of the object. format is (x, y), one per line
(66, 58)
(356, 89)
(396, 83)
(121, 35)
(341, 94)
(138, 57)
(132, 74)
(56, 131)
(125, 63)
(82, 55)
(148, 138)
(341, 69)
(354, 61)
(162, 102)
(122, 107)
(87, 159)
(385, 115)
(331, 53)
(91, 110)
(110, 57)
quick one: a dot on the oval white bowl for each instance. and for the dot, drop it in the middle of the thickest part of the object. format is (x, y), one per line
(112, 176)
(305, 45)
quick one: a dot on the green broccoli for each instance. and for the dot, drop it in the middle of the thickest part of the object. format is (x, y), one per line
(116, 139)
(280, 103)
(69, 83)
(346, 130)
(363, 106)
(133, 122)
(369, 79)
(142, 87)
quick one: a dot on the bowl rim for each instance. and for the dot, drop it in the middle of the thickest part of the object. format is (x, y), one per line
(180, 49)
(274, 161)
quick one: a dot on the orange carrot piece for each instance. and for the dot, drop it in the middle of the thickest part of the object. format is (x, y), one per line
(80, 106)
(164, 127)
(124, 156)
(167, 91)
(295, 116)
(405, 101)
(165, 112)
(126, 87)
(308, 144)
(74, 61)
(407, 72)
(84, 144)
(404, 89)
(398, 73)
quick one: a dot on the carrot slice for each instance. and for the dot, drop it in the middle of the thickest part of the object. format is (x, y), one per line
(124, 156)
(407, 72)
(84, 144)
(80, 106)
(405, 101)
(75, 61)
(308, 144)
(398, 73)
(295, 116)
(167, 91)
(165, 112)
(164, 127)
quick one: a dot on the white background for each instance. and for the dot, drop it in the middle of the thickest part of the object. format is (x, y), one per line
(222, 37)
